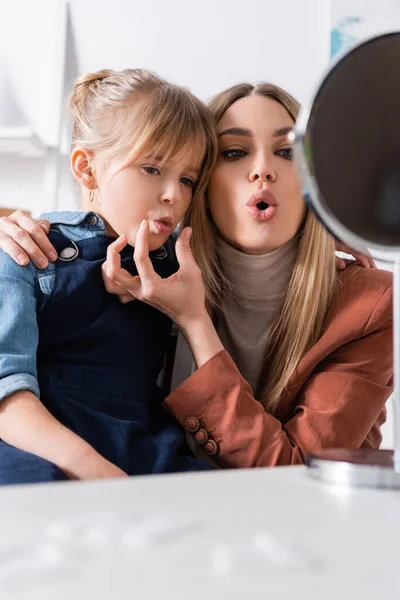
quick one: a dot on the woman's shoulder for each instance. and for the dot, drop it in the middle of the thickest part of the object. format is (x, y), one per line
(355, 278)
(362, 299)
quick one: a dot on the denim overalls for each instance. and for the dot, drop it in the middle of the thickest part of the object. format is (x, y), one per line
(97, 359)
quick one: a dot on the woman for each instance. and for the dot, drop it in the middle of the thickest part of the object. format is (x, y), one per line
(296, 357)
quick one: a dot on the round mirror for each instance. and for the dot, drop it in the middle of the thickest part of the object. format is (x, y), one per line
(348, 148)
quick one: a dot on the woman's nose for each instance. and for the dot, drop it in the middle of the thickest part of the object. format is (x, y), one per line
(263, 170)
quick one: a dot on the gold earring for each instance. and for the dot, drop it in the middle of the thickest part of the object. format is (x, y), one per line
(91, 195)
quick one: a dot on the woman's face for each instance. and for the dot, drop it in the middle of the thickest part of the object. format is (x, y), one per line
(254, 194)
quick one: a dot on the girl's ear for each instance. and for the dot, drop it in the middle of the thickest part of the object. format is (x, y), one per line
(81, 169)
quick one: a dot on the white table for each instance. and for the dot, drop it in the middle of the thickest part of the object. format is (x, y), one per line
(264, 533)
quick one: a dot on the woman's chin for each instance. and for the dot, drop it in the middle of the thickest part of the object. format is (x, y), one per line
(254, 242)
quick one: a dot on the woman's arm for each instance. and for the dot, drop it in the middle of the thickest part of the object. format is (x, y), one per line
(25, 239)
(336, 406)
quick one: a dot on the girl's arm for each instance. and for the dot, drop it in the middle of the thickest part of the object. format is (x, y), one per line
(26, 424)
(24, 421)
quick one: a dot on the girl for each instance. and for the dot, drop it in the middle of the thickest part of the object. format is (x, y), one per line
(294, 357)
(142, 149)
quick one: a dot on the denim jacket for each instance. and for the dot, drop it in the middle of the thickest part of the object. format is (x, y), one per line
(24, 292)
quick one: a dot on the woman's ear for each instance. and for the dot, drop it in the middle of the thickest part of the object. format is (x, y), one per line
(80, 165)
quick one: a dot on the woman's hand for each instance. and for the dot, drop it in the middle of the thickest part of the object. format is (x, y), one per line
(114, 288)
(24, 239)
(362, 259)
(181, 296)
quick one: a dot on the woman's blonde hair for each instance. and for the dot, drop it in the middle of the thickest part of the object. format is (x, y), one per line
(137, 113)
(302, 314)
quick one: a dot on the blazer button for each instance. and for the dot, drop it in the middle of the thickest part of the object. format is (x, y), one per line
(192, 424)
(201, 436)
(211, 447)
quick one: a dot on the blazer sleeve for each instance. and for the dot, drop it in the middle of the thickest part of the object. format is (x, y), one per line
(336, 407)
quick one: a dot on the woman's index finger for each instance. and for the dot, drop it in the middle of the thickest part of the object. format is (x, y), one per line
(141, 255)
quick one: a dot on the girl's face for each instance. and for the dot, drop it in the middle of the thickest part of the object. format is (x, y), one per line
(160, 193)
(254, 194)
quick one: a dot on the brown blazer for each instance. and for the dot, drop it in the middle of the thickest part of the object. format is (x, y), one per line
(335, 398)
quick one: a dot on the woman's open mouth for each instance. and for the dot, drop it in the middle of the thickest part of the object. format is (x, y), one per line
(262, 205)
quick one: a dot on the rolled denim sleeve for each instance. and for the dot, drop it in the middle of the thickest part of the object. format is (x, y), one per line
(18, 327)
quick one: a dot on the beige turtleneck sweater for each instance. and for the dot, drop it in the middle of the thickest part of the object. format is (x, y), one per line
(250, 308)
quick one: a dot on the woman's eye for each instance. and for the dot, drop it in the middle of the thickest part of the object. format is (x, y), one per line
(152, 170)
(234, 153)
(188, 182)
(286, 153)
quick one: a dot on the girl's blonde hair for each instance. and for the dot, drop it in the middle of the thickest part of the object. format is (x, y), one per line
(136, 113)
(301, 316)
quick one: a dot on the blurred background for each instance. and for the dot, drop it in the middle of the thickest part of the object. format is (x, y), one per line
(206, 46)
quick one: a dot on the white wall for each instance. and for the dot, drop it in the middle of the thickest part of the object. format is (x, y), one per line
(206, 46)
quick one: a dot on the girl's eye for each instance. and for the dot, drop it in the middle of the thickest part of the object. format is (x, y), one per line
(234, 154)
(286, 153)
(152, 170)
(188, 182)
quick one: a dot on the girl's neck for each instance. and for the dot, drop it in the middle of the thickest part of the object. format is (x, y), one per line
(87, 206)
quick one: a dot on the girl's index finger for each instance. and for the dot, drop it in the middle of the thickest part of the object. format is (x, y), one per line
(141, 255)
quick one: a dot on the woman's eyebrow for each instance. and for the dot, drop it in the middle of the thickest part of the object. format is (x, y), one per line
(240, 131)
(236, 131)
(282, 131)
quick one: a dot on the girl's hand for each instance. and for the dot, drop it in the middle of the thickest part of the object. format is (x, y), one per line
(91, 465)
(341, 264)
(24, 239)
(181, 296)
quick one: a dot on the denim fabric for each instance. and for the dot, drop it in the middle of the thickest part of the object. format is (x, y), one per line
(94, 360)
(23, 292)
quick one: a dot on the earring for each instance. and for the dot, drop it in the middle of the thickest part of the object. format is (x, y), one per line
(91, 195)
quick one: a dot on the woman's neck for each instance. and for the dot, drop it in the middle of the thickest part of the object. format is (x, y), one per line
(260, 252)
(258, 275)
